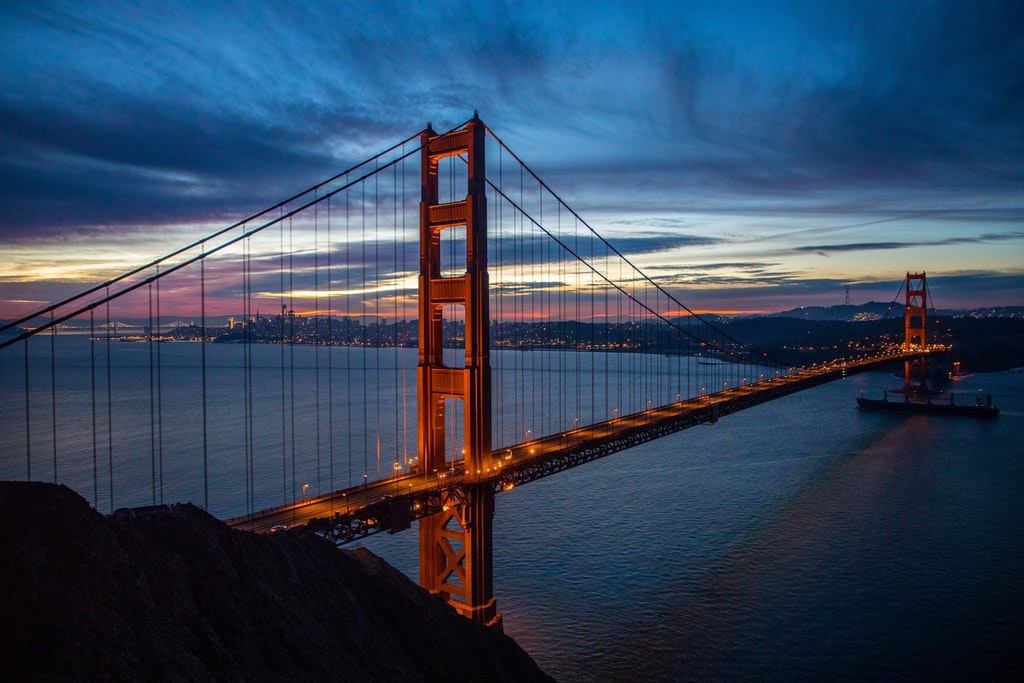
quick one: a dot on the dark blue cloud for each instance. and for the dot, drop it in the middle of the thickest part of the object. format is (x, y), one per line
(127, 116)
(149, 113)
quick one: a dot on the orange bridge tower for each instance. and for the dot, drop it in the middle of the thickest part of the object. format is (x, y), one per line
(915, 372)
(455, 543)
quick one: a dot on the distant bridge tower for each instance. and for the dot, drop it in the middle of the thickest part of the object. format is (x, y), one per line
(455, 544)
(915, 372)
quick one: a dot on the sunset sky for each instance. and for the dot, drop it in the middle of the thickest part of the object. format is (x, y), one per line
(792, 148)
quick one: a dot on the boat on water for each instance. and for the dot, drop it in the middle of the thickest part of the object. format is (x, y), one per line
(928, 407)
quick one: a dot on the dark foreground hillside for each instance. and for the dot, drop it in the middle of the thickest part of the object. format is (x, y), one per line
(178, 596)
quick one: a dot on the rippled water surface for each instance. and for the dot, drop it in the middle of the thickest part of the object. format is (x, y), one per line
(797, 540)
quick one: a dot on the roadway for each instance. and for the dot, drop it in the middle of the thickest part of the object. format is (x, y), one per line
(390, 504)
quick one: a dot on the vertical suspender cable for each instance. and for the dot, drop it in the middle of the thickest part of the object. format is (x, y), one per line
(92, 384)
(593, 340)
(110, 412)
(250, 484)
(394, 277)
(563, 329)
(202, 343)
(364, 343)
(541, 405)
(330, 356)
(28, 420)
(350, 339)
(315, 317)
(152, 399)
(497, 338)
(53, 391)
(159, 394)
(291, 345)
(535, 309)
(405, 365)
(246, 350)
(284, 404)
(577, 336)
(520, 362)
(496, 299)
(376, 308)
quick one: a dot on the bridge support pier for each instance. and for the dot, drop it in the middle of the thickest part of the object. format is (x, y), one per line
(455, 544)
(455, 552)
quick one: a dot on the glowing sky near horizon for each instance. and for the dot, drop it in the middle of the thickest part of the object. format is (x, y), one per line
(778, 151)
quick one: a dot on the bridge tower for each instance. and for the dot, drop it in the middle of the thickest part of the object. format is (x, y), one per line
(455, 543)
(915, 372)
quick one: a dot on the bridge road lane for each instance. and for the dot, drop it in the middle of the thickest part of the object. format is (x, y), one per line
(519, 463)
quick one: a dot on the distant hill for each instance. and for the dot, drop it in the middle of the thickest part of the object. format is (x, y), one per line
(875, 310)
(980, 343)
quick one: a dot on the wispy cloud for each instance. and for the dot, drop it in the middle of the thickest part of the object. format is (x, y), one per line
(825, 249)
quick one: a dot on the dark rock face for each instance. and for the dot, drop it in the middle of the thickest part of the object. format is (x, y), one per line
(177, 596)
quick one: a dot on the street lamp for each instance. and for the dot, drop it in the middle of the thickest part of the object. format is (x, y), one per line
(397, 467)
(304, 487)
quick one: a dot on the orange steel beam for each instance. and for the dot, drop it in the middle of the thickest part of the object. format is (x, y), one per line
(455, 543)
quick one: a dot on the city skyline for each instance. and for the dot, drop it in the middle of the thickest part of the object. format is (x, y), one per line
(755, 159)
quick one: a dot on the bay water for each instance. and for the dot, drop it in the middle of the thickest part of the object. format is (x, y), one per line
(798, 540)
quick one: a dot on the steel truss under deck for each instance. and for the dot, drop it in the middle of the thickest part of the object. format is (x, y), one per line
(523, 463)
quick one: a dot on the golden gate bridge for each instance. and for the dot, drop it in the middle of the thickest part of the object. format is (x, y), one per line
(399, 342)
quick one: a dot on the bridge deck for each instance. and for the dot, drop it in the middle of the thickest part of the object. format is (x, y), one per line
(391, 504)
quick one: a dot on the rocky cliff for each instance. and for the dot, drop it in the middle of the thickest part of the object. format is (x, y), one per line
(175, 595)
